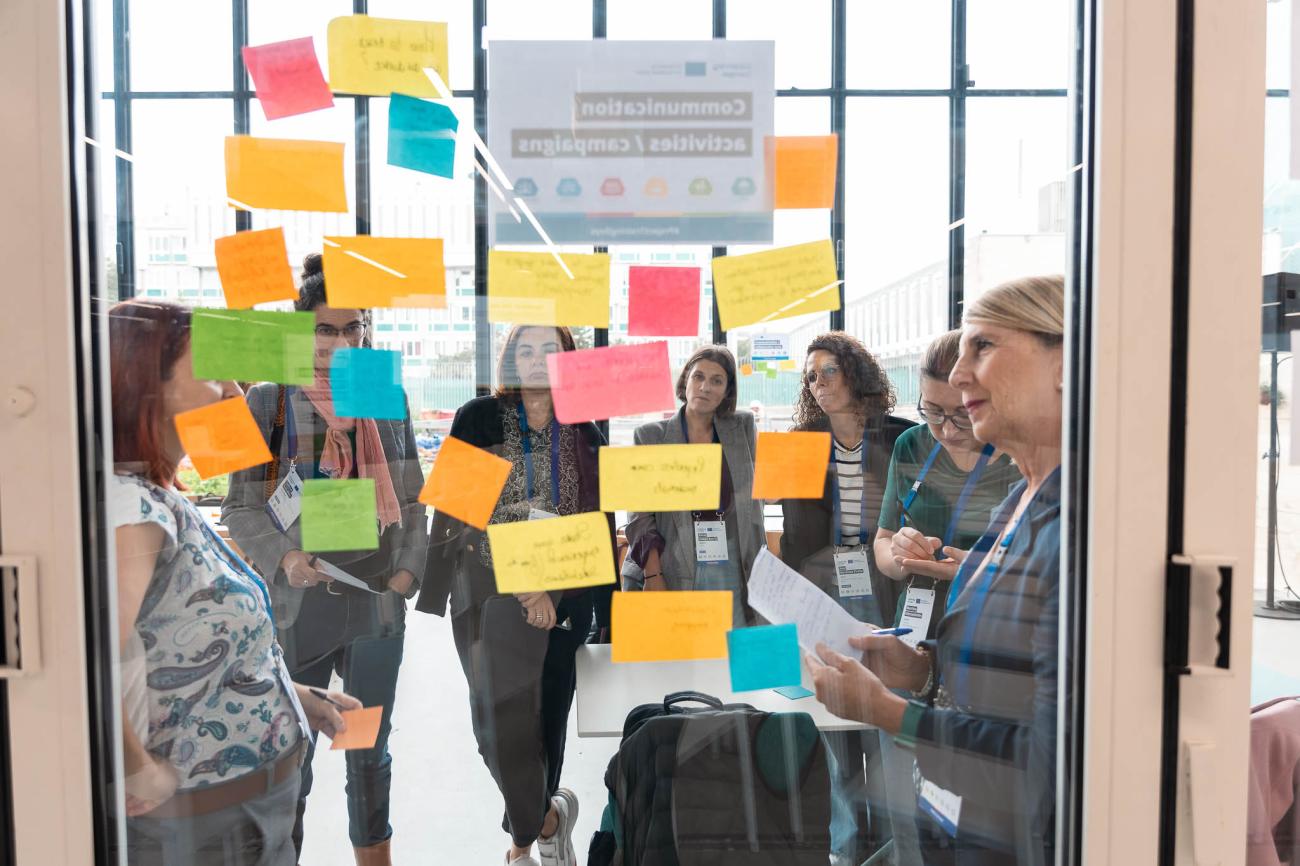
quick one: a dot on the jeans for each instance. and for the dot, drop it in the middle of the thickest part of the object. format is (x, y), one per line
(859, 823)
(898, 764)
(368, 666)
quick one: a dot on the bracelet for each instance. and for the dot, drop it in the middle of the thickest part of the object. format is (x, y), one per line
(924, 691)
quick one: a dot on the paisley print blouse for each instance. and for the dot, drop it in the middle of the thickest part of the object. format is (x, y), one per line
(217, 692)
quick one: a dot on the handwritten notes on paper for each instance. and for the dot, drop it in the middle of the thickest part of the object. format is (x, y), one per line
(595, 384)
(782, 595)
(663, 302)
(791, 465)
(254, 268)
(379, 56)
(670, 626)
(465, 482)
(775, 284)
(339, 514)
(285, 174)
(805, 170)
(661, 478)
(364, 272)
(763, 657)
(559, 553)
(367, 383)
(421, 135)
(287, 77)
(222, 437)
(363, 729)
(532, 288)
(253, 346)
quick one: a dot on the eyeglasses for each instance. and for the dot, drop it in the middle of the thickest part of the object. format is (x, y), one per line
(828, 372)
(352, 332)
(935, 418)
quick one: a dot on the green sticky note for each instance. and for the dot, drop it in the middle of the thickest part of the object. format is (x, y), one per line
(339, 514)
(253, 346)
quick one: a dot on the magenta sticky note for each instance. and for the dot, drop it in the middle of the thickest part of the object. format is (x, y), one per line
(595, 384)
(663, 302)
(287, 77)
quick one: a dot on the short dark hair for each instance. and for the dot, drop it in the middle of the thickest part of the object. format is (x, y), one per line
(509, 387)
(867, 380)
(721, 356)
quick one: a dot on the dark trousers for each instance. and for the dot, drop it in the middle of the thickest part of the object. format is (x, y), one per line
(521, 683)
(368, 666)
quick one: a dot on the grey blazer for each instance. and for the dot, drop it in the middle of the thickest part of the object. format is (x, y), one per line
(264, 545)
(739, 437)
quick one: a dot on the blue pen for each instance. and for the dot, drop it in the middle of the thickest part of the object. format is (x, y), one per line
(891, 632)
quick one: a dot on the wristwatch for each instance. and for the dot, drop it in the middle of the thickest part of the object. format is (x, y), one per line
(912, 715)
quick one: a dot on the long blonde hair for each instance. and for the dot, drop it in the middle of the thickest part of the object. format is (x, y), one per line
(1033, 304)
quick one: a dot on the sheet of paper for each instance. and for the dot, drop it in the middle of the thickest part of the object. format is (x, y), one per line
(782, 595)
(421, 135)
(363, 729)
(559, 553)
(791, 465)
(285, 174)
(339, 514)
(222, 437)
(805, 169)
(663, 302)
(763, 657)
(254, 268)
(661, 478)
(775, 284)
(670, 626)
(363, 271)
(465, 482)
(532, 288)
(581, 382)
(342, 576)
(287, 77)
(253, 346)
(367, 383)
(379, 56)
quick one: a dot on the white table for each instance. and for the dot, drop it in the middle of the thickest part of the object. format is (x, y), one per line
(608, 691)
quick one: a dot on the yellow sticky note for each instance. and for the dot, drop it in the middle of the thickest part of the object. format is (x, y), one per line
(670, 626)
(222, 437)
(382, 56)
(775, 284)
(465, 482)
(791, 465)
(804, 168)
(787, 365)
(555, 553)
(532, 288)
(363, 272)
(285, 174)
(661, 478)
(254, 268)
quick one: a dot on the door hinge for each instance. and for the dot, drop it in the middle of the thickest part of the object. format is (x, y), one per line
(1190, 578)
(20, 645)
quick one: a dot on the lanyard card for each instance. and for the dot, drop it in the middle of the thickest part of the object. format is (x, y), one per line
(851, 573)
(918, 608)
(943, 806)
(285, 504)
(711, 541)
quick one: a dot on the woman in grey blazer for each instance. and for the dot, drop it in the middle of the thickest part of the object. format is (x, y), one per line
(325, 624)
(712, 549)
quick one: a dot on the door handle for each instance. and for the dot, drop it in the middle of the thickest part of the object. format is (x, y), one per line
(1190, 573)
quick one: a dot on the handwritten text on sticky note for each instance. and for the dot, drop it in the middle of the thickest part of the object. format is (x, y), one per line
(254, 268)
(285, 174)
(253, 346)
(670, 626)
(222, 437)
(791, 465)
(763, 657)
(663, 302)
(287, 77)
(465, 482)
(379, 56)
(775, 284)
(339, 514)
(532, 288)
(362, 272)
(661, 478)
(595, 384)
(804, 169)
(559, 553)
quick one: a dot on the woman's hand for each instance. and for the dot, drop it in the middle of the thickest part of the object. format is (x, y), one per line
(658, 583)
(908, 543)
(539, 608)
(297, 566)
(401, 581)
(150, 786)
(945, 569)
(322, 715)
(895, 663)
(850, 691)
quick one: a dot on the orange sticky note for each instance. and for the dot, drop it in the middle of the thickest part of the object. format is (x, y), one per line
(746, 369)
(805, 168)
(791, 465)
(465, 482)
(363, 728)
(222, 437)
(254, 268)
(670, 626)
(363, 272)
(285, 174)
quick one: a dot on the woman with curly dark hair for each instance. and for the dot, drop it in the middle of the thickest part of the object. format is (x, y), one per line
(828, 540)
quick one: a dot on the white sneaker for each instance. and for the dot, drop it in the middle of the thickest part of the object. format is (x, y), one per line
(558, 849)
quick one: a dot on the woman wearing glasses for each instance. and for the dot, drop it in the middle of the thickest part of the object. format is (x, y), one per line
(327, 621)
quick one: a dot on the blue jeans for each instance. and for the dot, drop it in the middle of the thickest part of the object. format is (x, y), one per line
(859, 823)
(368, 666)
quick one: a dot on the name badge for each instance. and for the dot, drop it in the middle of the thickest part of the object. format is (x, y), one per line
(851, 573)
(711, 541)
(539, 514)
(285, 504)
(918, 607)
(943, 806)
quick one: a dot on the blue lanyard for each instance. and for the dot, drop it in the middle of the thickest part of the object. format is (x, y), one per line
(863, 531)
(290, 428)
(973, 479)
(528, 456)
(979, 595)
(916, 485)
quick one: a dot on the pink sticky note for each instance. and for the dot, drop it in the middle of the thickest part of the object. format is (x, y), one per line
(663, 302)
(287, 77)
(595, 384)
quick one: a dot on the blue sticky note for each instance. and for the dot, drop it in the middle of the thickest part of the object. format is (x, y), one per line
(421, 135)
(763, 657)
(367, 383)
(794, 693)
